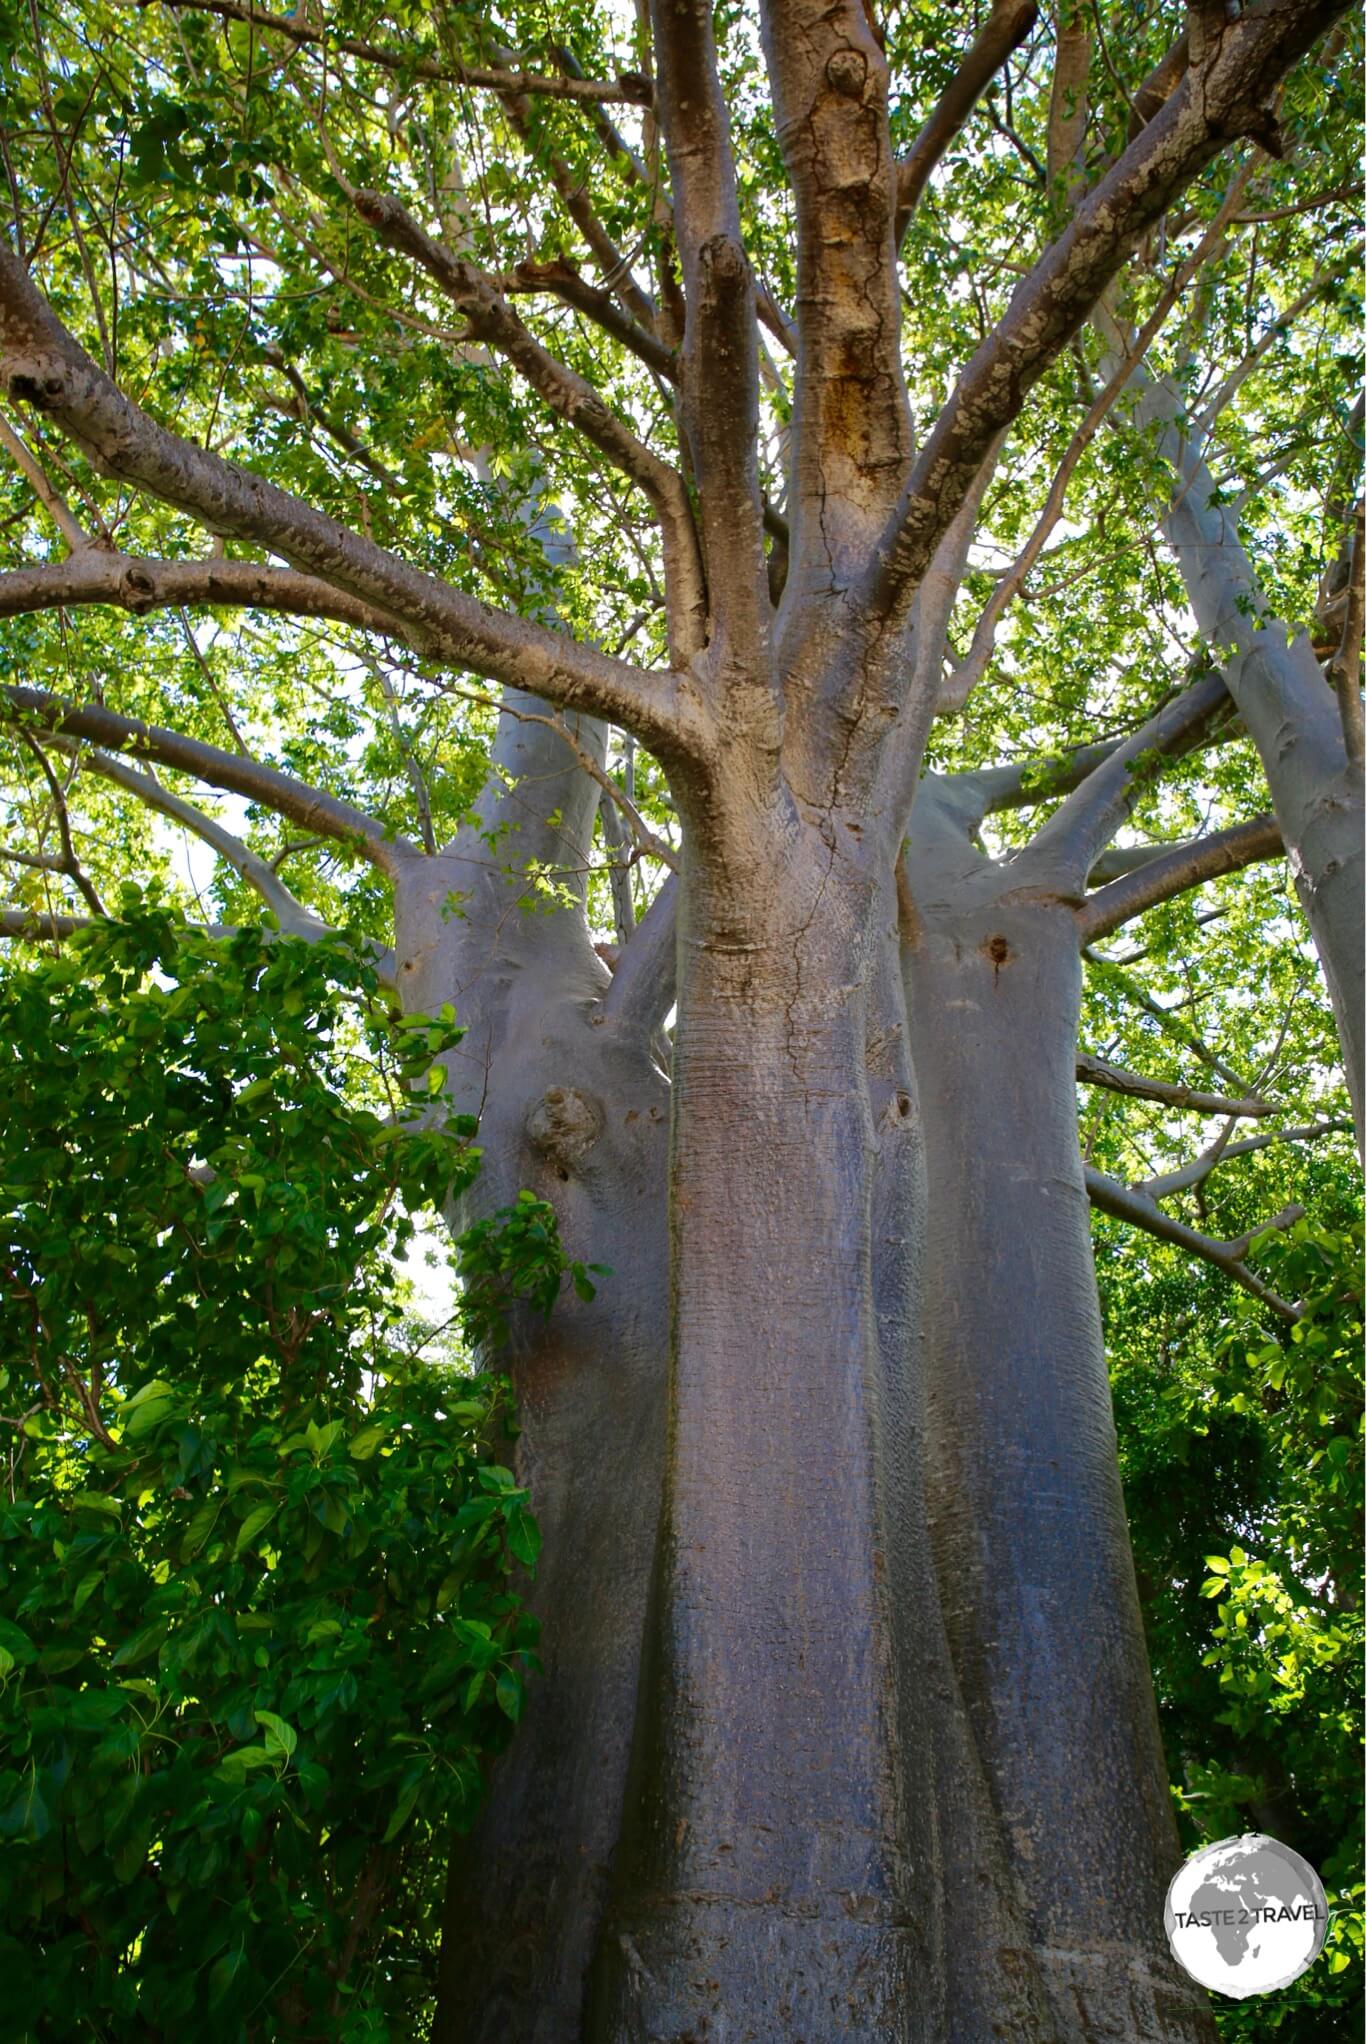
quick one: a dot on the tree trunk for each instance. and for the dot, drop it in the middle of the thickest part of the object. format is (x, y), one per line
(572, 1107)
(1027, 1517)
(779, 1877)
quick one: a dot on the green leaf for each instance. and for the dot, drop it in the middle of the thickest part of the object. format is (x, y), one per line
(253, 1525)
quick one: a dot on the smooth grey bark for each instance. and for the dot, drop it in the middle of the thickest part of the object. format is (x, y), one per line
(776, 1879)
(1026, 1512)
(1293, 719)
(573, 1107)
(810, 1850)
(991, 1984)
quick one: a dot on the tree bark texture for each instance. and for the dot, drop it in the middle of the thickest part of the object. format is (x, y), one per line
(573, 1107)
(1030, 1537)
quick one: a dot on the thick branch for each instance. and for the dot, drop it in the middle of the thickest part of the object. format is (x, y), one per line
(1091, 815)
(1175, 871)
(570, 285)
(852, 437)
(139, 585)
(39, 926)
(42, 365)
(1067, 106)
(1344, 670)
(1095, 1071)
(642, 988)
(1226, 97)
(719, 361)
(1024, 783)
(1125, 1204)
(1006, 27)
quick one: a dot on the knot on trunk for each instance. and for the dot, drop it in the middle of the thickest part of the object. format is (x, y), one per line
(846, 72)
(563, 1124)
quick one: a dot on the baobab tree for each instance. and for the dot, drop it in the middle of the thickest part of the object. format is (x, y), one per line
(689, 413)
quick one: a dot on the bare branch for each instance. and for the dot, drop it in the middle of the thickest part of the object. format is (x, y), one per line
(69, 864)
(34, 709)
(568, 283)
(491, 320)
(294, 919)
(975, 662)
(1125, 1204)
(1226, 97)
(1175, 871)
(618, 868)
(42, 365)
(1092, 814)
(134, 583)
(1200, 1169)
(1224, 392)
(40, 926)
(1006, 27)
(627, 89)
(1095, 1071)
(44, 489)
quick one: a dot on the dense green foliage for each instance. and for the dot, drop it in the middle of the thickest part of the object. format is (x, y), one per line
(258, 1625)
(1241, 1441)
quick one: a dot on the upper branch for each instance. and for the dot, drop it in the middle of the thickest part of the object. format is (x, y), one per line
(1224, 97)
(294, 919)
(1174, 871)
(851, 420)
(134, 583)
(1097, 1071)
(41, 364)
(719, 368)
(491, 320)
(1127, 1204)
(1005, 28)
(979, 653)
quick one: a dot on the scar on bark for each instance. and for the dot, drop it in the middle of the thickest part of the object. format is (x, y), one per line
(998, 951)
(563, 1125)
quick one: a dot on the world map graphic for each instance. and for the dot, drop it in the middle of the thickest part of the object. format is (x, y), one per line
(1246, 1916)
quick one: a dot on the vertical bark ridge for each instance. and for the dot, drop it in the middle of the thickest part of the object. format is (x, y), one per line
(572, 1107)
(778, 1882)
(1026, 1513)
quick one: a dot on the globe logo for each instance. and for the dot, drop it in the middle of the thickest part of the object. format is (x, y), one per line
(1246, 1916)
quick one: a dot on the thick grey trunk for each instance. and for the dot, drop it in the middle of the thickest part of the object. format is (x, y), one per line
(779, 1878)
(1292, 717)
(573, 1107)
(991, 1983)
(1028, 1523)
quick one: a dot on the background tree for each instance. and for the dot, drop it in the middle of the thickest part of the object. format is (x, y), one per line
(587, 366)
